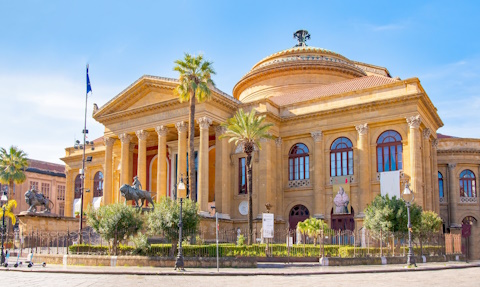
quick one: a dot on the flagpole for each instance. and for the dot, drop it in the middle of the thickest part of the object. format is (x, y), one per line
(82, 172)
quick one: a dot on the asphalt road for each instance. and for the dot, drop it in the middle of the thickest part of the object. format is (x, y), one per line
(450, 277)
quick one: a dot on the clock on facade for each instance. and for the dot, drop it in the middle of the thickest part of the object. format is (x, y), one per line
(243, 207)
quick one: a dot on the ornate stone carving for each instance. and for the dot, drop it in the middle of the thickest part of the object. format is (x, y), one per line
(125, 138)
(362, 129)
(108, 141)
(426, 133)
(279, 142)
(219, 130)
(317, 136)
(435, 143)
(452, 165)
(204, 122)
(142, 134)
(414, 121)
(468, 199)
(161, 131)
(298, 183)
(181, 127)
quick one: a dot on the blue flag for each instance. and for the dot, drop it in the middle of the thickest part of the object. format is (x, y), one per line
(89, 86)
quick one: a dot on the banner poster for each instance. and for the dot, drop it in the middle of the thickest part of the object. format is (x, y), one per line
(268, 225)
(341, 195)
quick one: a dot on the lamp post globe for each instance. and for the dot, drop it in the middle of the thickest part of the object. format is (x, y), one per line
(408, 198)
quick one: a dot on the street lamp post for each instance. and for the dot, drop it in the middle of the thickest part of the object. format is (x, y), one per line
(82, 171)
(4, 228)
(407, 193)
(181, 194)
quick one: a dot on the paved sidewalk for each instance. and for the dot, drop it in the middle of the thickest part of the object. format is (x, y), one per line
(263, 269)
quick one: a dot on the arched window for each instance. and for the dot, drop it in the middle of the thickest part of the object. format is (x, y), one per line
(98, 184)
(467, 184)
(389, 151)
(440, 185)
(341, 157)
(298, 162)
(78, 186)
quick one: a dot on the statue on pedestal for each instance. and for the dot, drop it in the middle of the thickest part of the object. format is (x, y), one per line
(135, 193)
(34, 199)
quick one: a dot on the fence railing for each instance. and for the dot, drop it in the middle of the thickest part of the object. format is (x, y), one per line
(198, 243)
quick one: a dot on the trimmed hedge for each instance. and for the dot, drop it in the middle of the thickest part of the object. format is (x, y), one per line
(97, 249)
(350, 251)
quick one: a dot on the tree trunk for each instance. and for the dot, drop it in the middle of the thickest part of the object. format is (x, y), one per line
(191, 153)
(10, 190)
(250, 202)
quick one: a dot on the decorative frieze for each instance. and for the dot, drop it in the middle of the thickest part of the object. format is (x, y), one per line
(362, 129)
(204, 122)
(442, 200)
(317, 136)
(161, 130)
(299, 183)
(414, 121)
(181, 127)
(468, 200)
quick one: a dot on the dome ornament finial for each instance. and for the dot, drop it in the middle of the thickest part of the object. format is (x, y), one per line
(302, 36)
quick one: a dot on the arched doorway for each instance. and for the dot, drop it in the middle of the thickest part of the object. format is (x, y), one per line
(297, 214)
(469, 232)
(343, 221)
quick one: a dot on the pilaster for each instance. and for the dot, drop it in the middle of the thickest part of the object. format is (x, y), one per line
(108, 175)
(414, 143)
(319, 194)
(142, 136)
(202, 199)
(182, 149)
(223, 193)
(279, 186)
(69, 192)
(427, 151)
(453, 195)
(364, 193)
(124, 160)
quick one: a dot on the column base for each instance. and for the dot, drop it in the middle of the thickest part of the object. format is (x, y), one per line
(360, 215)
(319, 216)
(223, 216)
(205, 214)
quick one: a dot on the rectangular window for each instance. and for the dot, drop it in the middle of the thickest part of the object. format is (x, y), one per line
(61, 192)
(61, 209)
(46, 190)
(399, 156)
(344, 163)
(291, 169)
(392, 157)
(380, 159)
(242, 176)
(332, 168)
(386, 158)
(307, 167)
(339, 163)
(34, 185)
(440, 188)
(301, 166)
(350, 162)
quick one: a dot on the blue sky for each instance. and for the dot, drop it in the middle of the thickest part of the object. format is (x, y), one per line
(45, 45)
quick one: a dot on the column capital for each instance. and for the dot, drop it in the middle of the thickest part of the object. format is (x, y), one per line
(161, 130)
(435, 143)
(108, 141)
(181, 127)
(220, 130)
(426, 133)
(362, 129)
(279, 142)
(204, 122)
(142, 134)
(125, 138)
(414, 121)
(317, 136)
(452, 165)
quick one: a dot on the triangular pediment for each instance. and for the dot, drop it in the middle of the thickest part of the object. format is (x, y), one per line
(146, 91)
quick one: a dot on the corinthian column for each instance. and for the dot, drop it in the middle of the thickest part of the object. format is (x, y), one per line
(416, 159)
(427, 169)
(363, 147)
(279, 189)
(108, 177)
(202, 199)
(142, 157)
(319, 196)
(182, 149)
(124, 160)
(162, 132)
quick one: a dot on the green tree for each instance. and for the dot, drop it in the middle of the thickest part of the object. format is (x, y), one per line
(115, 222)
(315, 227)
(164, 219)
(195, 84)
(385, 214)
(430, 224)
(13, 163)
(247, 130)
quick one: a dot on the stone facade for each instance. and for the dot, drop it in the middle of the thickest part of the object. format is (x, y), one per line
(313, 97)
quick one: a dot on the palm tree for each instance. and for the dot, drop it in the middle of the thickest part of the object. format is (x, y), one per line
(195, 84)
(12, 167)
(247, 130)
(9, 210)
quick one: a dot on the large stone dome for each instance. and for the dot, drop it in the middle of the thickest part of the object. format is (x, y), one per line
(293, 70)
